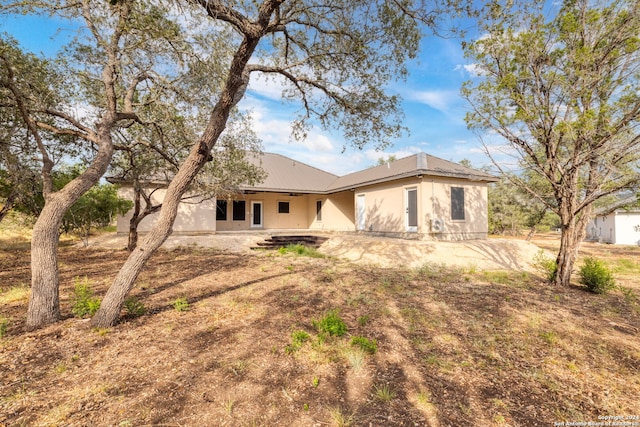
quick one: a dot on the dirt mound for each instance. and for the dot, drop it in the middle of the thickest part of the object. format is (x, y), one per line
(491, 254)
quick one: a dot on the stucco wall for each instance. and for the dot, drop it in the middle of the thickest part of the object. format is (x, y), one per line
(191, 218)
(337, 212)
(385, 208)
(385, 211)
(297, 218)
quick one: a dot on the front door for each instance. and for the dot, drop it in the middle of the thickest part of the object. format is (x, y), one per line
(411, 209)
(256, 214)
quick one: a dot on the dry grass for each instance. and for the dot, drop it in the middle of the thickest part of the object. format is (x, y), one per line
(455, 347)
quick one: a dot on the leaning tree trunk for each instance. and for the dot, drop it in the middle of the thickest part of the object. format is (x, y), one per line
(233, 92)
(111, 305)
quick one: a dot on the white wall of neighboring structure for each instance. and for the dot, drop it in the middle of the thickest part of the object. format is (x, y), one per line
(620, 228)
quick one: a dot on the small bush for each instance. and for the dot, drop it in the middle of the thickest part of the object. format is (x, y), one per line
(298, 338)
(134, 307)
(545, 265)
(596, 276)
(181, 304)
(83, 301)
(331, 324)
(367, 345)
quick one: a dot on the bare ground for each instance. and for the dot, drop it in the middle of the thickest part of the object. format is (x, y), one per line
(457, 345)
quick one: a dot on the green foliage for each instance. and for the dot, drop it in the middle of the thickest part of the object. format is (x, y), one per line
(384, 393)
(298, 338)
(596, 276)
(363, 320)
(562, 92)
(300, 250)
(545, 265)
(83, 301)
(331, 324)
(367, 345)
(4, 325)
(134, 307)
(181, 304)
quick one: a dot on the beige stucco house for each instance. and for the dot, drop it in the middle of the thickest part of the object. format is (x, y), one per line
(420, 196)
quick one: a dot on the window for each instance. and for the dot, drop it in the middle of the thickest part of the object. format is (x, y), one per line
(221, 210)
(319, 210)
(239, 208)
(457, 203)
(283, 207)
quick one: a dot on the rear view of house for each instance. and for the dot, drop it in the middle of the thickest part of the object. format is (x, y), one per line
(420, 196)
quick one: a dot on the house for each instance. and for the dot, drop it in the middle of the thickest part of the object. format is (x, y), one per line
(618, 227)
(420, 196)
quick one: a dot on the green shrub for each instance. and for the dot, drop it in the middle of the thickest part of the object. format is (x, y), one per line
(331, 324)
(134, 307)
(596, 276)
(298, 338)
(4, 325)
(367, 345)
(545, 265)
(181, 304)
(83, 301)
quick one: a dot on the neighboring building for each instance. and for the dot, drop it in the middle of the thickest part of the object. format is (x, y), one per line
(419, 196)
(620, 227)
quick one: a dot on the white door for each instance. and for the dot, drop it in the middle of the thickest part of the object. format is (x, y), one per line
(361, 219)
(256, 214)
(411, 209)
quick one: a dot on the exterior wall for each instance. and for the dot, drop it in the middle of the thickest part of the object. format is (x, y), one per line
(297, 218)
(337, 212)
(191, 218)
(386, 207)
(621, 228)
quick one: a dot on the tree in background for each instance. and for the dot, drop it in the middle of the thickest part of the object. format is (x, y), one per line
(564, 93)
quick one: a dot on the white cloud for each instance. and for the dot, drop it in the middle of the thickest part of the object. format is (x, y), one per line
(474, 70)
(441, 100)
(268, 86)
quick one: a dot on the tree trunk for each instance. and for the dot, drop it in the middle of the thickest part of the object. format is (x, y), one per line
(134, 222)
(8, 205)
(232, 93)
(532, 232)
(44, 304)
(111, 305)
(573, 232)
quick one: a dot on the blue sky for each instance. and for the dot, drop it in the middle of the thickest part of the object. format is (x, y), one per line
(434, 111)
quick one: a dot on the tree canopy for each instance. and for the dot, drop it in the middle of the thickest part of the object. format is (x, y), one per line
(564, 92)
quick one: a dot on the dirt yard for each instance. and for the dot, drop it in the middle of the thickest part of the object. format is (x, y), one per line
(465, 335)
